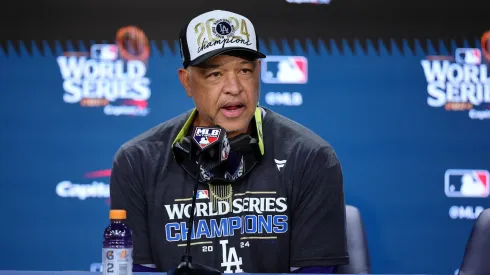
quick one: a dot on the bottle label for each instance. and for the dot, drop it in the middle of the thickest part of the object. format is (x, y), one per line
(117, 261)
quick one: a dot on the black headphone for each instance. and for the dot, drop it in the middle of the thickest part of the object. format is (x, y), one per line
(213, 158)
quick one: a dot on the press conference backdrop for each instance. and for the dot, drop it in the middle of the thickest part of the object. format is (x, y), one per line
(409, 119)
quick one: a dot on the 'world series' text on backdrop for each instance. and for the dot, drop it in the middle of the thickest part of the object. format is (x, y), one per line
(463, 85)
(104, 78)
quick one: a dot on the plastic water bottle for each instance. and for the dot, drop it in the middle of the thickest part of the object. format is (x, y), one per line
(117, 250)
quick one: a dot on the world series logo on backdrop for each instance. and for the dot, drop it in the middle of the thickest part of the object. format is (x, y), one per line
(112, 76)
(460, 82)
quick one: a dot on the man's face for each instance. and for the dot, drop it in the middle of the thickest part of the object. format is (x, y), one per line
(225, 91)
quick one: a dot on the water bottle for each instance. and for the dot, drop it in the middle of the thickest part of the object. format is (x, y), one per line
(117, 249)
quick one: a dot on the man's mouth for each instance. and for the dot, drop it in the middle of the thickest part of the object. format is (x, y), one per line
(231, 107)
(232, 110)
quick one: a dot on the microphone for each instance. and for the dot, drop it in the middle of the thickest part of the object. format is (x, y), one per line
(209, 142)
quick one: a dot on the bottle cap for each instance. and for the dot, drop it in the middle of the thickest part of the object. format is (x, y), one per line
(117, 214)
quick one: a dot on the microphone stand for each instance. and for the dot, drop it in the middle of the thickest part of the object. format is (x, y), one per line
(187, 267)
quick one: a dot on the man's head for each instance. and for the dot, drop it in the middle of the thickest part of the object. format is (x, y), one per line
(221, 71)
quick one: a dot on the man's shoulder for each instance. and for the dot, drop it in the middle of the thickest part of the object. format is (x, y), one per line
(158, 137)
(297, 138)
(290, 131)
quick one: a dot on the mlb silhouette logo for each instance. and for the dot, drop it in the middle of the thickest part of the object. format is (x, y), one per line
(202, 194)
(468, 56)
(284, 70)
(104, 52)
(460, 183)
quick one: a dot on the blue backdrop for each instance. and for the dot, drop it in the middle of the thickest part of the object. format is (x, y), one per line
(371, 105)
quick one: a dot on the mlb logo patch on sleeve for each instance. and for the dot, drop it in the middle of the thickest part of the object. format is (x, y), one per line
(461, 183)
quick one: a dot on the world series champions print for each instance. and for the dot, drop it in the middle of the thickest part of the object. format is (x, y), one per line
(234, 229)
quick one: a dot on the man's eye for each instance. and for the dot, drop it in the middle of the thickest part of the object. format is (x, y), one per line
(214, 74)
(246, 71)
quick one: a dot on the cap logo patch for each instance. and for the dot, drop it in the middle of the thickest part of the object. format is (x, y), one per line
(223, 28)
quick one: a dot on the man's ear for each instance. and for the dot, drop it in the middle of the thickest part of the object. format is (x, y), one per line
(184, 76)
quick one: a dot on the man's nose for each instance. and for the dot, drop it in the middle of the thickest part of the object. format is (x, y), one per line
(232, 84)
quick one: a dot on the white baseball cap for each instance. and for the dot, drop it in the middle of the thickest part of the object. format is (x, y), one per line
(217, 32)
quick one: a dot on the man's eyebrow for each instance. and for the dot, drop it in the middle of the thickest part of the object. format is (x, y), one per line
(252, 62)
(207, 66)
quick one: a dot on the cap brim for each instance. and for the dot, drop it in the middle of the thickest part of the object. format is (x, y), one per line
(238, 50)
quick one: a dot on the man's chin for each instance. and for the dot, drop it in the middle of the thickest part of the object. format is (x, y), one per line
(235, 126)
(234, 129)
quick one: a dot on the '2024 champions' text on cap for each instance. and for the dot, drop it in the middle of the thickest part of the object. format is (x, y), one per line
(217, 32)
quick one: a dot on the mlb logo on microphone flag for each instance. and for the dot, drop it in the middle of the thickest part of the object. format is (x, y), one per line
(462, 183)
(202, 194)
(284, 70)
(205, 137)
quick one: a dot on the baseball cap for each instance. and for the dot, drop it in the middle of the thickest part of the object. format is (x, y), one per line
(217, 32)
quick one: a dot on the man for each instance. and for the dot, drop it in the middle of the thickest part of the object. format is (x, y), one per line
(283, 210)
